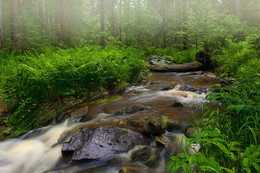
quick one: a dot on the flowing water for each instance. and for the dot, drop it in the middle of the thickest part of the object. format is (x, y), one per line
(40, 150)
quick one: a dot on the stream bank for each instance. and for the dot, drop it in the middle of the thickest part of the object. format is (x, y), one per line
(137, 130)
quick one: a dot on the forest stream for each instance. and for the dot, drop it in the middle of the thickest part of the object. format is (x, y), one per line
(136, 130)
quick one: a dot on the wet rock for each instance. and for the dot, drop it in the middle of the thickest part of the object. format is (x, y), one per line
(154, 57)
(131, 110)
(214, 89)
(101, 143)
(145, 122)
(192, 89)
(198, 73)
(190, 132)
(156, 60)
(162, 85)
(78, 114)
(176, 103)
(142, 154)
(177, 126)
(80, 111)
(74, 115)
(131, 169)
(161, 141)
(175, 146)
(227, 81)
(71, 101)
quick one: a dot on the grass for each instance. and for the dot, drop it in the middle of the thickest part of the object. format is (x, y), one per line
(32, 83)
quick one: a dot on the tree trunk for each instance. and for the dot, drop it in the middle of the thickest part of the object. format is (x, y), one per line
(235, 7)
(63, 22)
(14, 22)
(259, 11)
(1, 27)
(102, 19)
(185, 17)
(164, 23)
(196, 42)
(217, 6)
(192, 66)
(42, 13)
(113, 18)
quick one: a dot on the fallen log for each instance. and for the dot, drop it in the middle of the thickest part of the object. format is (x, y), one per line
(192, 66)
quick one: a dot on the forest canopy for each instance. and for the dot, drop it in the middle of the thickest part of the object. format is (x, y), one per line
(30, 24)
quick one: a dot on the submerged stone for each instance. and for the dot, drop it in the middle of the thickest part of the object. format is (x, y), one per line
(193, 89)
(176, 103)
(131, 109)
(162, 85)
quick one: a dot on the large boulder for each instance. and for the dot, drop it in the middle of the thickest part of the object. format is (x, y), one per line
(92, 143)
(145, 122)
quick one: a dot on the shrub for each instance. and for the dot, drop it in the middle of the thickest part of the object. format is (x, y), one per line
(32, 81)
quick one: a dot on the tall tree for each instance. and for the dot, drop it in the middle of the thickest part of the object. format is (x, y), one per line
(113, 17)
(102, 19)
(164, 22)
(63, 17)
(259, 11)
(1, 26)
(185, 17)
(42, 13)
(15, 4)
(235, 6)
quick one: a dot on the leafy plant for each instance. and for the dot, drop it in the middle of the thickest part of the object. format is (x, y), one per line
(32, 81)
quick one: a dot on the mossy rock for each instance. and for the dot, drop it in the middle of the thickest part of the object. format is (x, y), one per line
(142, 154)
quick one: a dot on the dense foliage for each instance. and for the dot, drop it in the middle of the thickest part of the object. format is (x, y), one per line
(29, 24)
(229, 138)
(30, 82)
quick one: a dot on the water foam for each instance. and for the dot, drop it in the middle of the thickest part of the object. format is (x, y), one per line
(36, 154)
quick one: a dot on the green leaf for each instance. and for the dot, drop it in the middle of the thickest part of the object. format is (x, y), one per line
(169, 165)
(237, 108)
(245, 162)
(207, 165)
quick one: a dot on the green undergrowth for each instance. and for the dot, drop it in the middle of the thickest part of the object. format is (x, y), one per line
(173, 54)
(32, 83)
(230, 138)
